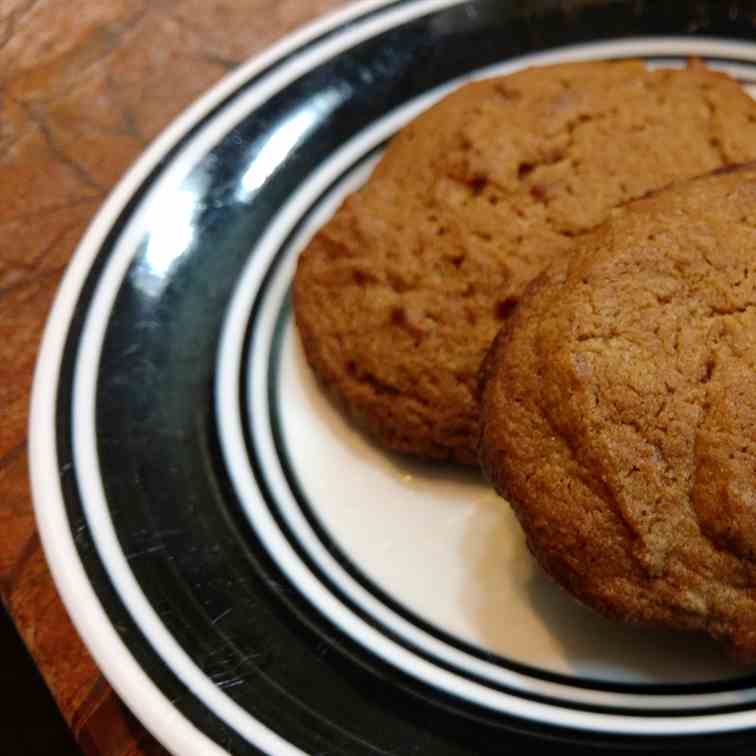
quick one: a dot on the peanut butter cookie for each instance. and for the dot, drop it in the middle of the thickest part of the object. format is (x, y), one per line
(399, 296)
(619, 412)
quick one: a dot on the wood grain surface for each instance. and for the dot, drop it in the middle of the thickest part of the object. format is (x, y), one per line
(84, 87)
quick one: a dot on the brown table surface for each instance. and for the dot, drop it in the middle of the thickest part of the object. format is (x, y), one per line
(84, 87)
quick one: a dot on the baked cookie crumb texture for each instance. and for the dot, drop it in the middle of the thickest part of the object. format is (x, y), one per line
(399, 296)
(619, 414)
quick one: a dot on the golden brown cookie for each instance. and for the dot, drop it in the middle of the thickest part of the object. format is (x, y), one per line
(399, 296)
(619, 412)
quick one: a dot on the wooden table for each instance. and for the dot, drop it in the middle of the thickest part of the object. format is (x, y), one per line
(84, 87)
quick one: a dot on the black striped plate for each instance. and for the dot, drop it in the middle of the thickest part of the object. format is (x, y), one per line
(251, 573)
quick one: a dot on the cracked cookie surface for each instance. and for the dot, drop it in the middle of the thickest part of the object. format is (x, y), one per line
(619, 412)
(399, 296)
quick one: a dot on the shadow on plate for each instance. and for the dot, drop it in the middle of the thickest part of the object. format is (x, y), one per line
(577, 639)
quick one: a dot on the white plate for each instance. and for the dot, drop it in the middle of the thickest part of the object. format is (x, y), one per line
(249, 570)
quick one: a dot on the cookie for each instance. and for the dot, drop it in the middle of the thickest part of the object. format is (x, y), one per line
(399, 296)
(619, 412)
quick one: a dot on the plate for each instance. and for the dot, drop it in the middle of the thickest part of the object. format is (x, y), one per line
(250, 572)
